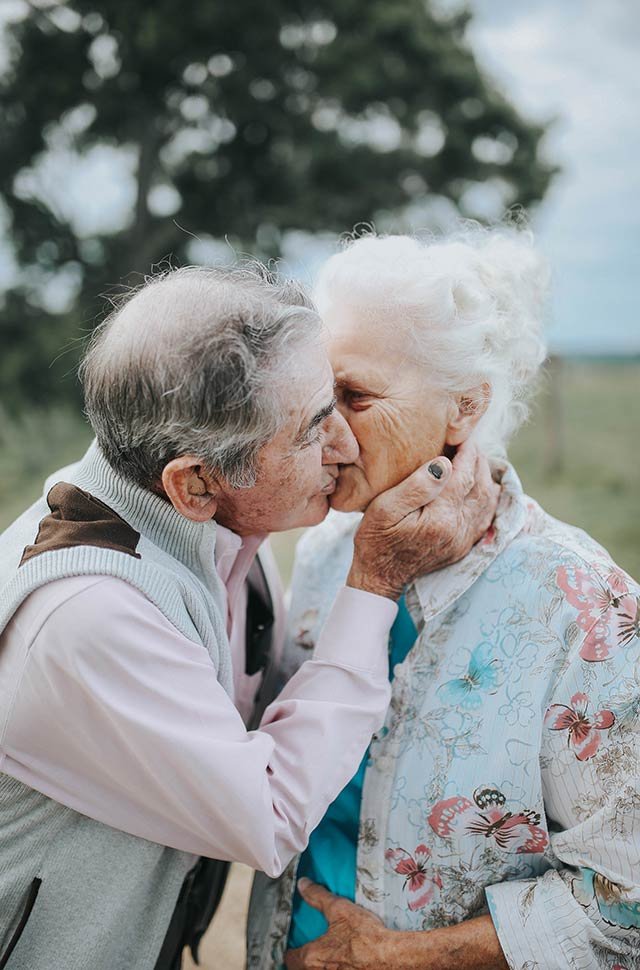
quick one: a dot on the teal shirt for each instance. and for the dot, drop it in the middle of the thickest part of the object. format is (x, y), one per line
(330, 857)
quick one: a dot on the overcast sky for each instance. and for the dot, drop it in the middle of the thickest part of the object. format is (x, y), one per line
(578, 60)
(575, 61)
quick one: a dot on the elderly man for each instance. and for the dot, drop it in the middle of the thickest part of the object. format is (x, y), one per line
(139, 622)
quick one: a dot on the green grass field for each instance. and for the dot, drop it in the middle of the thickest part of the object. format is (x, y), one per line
(578, 456)
(591, 414)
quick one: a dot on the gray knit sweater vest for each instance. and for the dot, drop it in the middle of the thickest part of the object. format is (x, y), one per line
(76, 894)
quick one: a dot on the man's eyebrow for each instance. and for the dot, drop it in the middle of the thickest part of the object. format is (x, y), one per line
(318, 418)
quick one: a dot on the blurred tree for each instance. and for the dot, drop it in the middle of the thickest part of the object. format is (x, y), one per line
(242, 118)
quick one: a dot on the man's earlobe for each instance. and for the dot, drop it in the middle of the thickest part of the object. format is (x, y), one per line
(190, 488)
(466, 411)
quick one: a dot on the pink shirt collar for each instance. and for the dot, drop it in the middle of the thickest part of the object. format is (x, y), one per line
(234, 556)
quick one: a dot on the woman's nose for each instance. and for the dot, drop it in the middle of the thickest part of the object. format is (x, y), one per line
(340, 447)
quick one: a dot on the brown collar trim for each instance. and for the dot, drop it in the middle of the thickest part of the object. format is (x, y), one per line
(79, 519)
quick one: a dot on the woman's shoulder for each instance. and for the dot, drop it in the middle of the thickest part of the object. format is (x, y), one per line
(563, 545)
(559, 576)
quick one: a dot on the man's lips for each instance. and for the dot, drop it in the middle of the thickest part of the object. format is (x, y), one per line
(331, 484)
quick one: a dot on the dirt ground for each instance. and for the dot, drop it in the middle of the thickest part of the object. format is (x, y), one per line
(223, 947)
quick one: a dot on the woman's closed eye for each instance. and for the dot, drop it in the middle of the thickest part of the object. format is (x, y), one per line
(356, 400)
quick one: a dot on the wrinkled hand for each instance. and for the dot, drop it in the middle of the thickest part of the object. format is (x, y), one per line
(424, 523)
(355, 940)
(358, 940)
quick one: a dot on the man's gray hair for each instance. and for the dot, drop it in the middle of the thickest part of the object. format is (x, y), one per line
(196, 361)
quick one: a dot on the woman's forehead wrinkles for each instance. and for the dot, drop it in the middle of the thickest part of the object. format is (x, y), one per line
(359, 370)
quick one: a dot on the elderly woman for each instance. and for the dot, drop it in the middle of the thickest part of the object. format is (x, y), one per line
(496, 819)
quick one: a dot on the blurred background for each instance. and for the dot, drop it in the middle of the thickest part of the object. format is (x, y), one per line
(134, 135)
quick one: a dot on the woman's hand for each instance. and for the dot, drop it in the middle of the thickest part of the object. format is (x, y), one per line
(355, 940)
(358, 940)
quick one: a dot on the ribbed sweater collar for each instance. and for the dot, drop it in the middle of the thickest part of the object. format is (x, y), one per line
(192, 543)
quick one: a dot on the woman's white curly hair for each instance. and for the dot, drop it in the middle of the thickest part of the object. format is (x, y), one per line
(471, 306)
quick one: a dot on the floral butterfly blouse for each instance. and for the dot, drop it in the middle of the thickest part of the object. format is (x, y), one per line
(507, 776)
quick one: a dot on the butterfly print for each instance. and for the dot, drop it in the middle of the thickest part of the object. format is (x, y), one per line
(421, 887)
(486, 815)
(481, 677)
(607, 612)
(583, 734)
(629, 620)
(609, 897)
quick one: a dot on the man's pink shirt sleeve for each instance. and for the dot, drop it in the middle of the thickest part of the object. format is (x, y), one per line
(120, 717)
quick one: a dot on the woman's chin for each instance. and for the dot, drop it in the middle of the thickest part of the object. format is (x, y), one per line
(344, 501)
(353, 491)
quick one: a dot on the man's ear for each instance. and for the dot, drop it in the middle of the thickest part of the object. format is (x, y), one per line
(465, 412)
(192, 491)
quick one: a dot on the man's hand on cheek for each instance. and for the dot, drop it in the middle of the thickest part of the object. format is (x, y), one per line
(428, 521)
(462, 513)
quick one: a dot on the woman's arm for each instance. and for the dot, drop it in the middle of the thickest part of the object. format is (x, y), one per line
(358, 940)
(586, 911)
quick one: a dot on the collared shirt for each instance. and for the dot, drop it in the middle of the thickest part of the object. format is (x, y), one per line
(235, 556)
(506, 775)
(117, 715)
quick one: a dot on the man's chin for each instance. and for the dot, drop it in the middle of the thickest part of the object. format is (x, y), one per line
(318, 512)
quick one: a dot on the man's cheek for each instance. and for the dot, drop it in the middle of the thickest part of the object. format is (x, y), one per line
(293, 485)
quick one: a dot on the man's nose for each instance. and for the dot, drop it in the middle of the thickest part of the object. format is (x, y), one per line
(340, 447)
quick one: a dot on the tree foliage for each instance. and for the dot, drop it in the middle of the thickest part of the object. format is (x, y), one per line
(252, 119)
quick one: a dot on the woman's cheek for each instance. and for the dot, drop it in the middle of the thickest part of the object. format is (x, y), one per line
(357, 421)
(368, 428)
(387, 439)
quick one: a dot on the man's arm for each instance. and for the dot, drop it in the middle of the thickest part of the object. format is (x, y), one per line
(120, 717)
